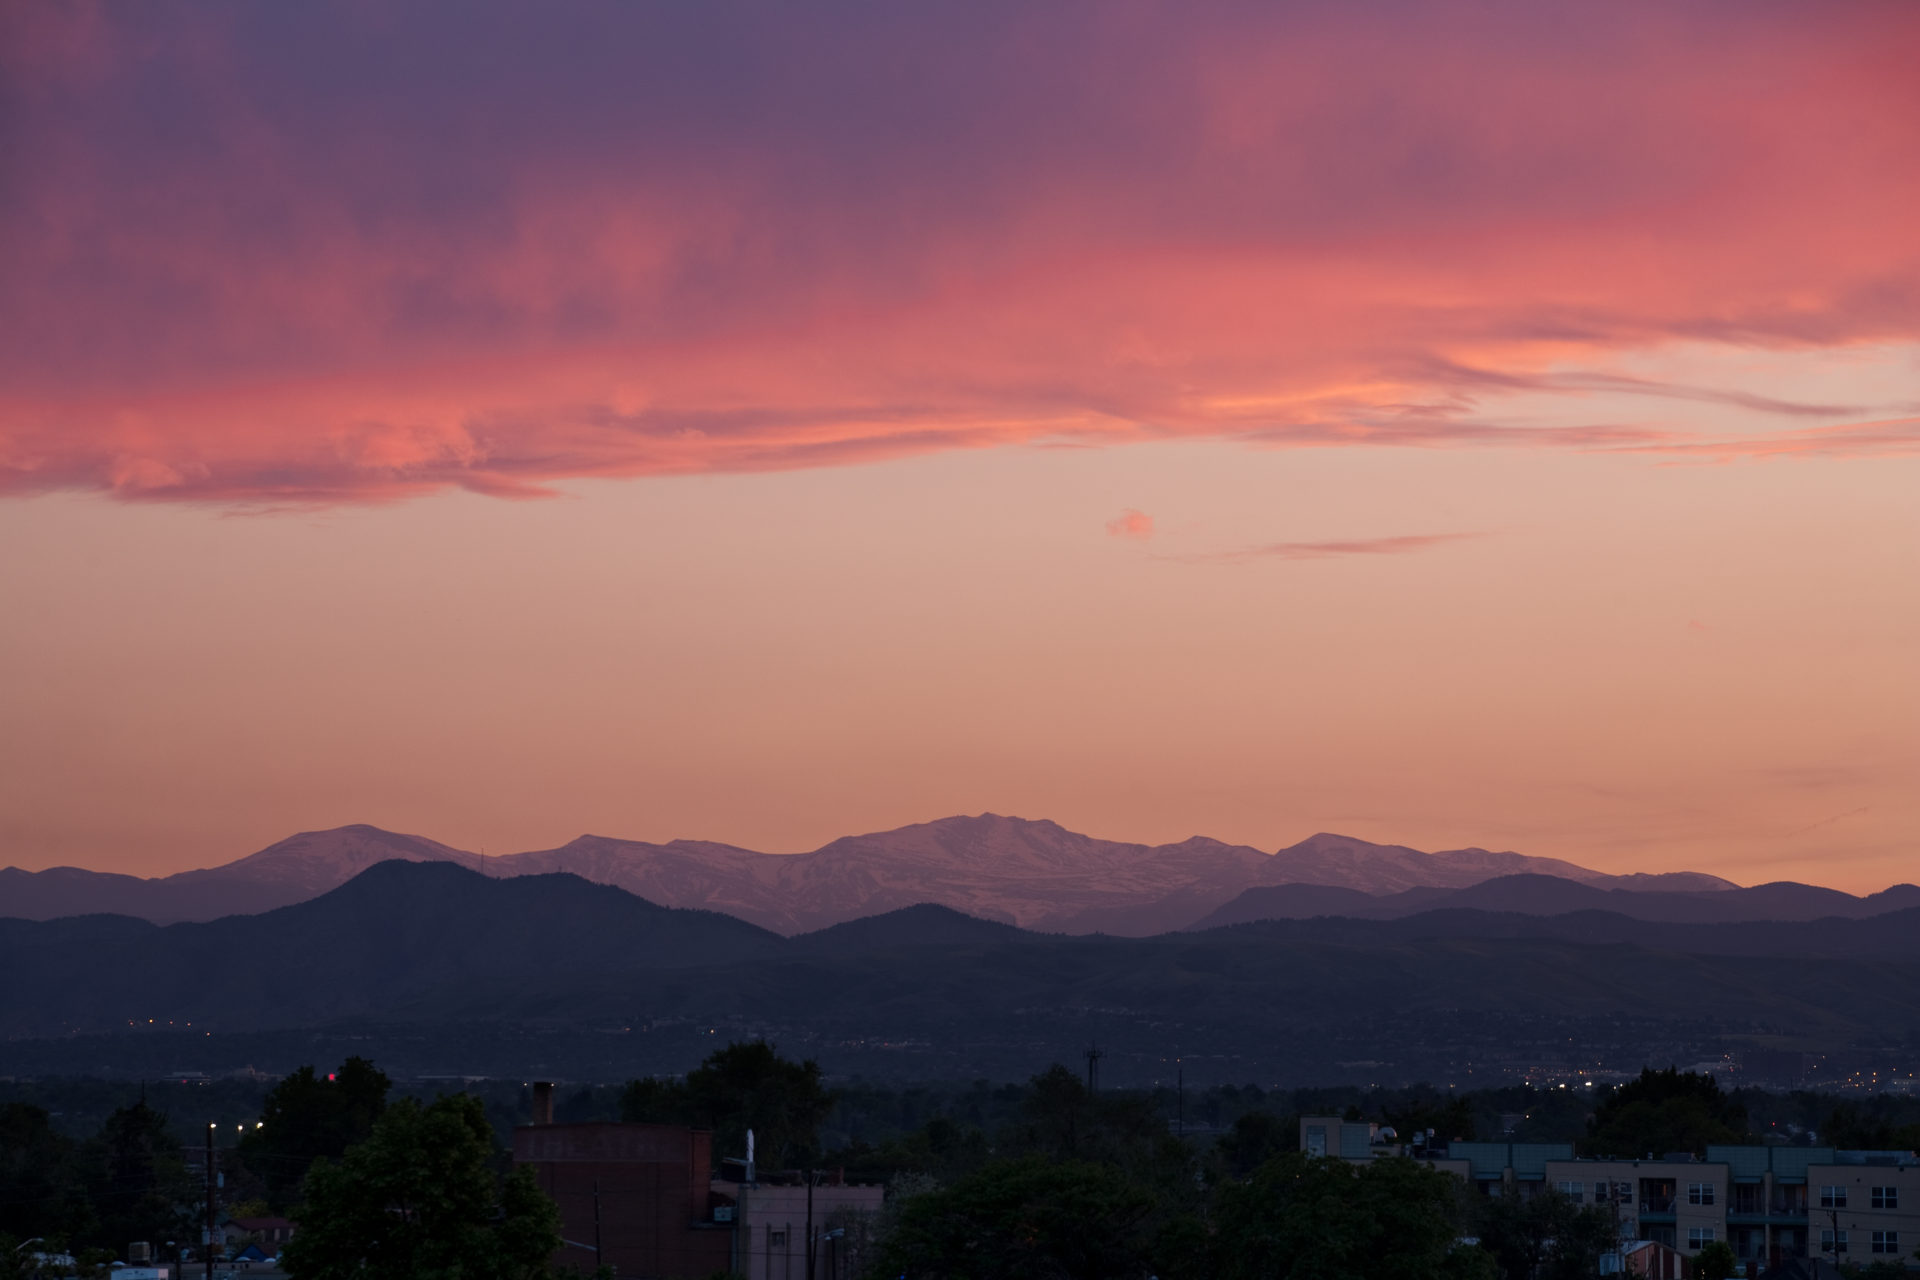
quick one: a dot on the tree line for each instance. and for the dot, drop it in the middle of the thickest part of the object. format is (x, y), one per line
(1048, 1178)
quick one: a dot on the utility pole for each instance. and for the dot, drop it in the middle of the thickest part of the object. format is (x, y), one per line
(1180, 1093)
(1093, 1066)
(1614, 1188)
(206, 1249)
(809, 1224)
(596, 1225)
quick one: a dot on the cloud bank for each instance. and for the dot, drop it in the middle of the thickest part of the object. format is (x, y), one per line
(351, 253)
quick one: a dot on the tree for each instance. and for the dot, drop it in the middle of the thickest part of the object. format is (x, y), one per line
(1544, 1237)
(1716, 1262)
(40, 1191)
(1302, 1218)
(419, 1198)
(942, 1148)
(1062, 1119)
(1029, 1219)
(308, 1118)
(1870, 1129)
(1256, 1137)
(137, 1179)
(1665, 1111)
(743, 1086)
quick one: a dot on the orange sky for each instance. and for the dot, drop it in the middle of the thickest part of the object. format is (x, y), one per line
(1471, 425)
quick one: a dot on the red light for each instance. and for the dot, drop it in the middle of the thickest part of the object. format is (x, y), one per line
(329, 1077)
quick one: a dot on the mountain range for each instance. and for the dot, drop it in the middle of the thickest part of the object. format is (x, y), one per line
(1538, 895)
(431, 963)
(1034, 874)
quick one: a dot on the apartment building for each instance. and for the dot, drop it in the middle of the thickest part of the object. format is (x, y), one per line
(1769, 1203)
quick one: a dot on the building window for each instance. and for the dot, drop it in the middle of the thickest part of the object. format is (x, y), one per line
(1316, 1139)
(1699, 1193)
(1886, 1242)
(1833, 1197)
(1886, 1197)
(1699, 1237)
(1831, 1241)
(1574, 1191)
(776, 1239)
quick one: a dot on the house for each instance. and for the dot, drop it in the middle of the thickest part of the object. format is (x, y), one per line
(1652, 1260)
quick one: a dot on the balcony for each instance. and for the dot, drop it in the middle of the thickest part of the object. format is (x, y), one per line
(1656, 1206)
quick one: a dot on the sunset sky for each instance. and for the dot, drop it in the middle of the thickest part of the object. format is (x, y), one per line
(1487, 424)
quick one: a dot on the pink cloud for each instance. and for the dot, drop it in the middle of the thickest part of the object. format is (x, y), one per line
(1893, 438)
(641, 241)
(1403, 544)
(1131, 524)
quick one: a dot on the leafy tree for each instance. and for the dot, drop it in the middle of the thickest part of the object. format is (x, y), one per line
(1869, 1128)
(1665, 1111)
(308, 1117)
(741, 1087)
(136, 1179)
(651, 1100)
(1544, 1237)
(419, 1198)
(942, 1148)
(1060, 1118)
(1301, 1218)
(1715, 1262)
(1030, 1219)
(40, 1191)
(1256, 1137)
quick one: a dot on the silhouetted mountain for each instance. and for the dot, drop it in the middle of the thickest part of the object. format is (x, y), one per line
(1034, 874)
(924, 925)
(1893, 936)
(440, 964)
(293, 870)
(1539, 895)
(398, 934)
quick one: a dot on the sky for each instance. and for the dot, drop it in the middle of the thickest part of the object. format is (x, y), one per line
(1447, 424)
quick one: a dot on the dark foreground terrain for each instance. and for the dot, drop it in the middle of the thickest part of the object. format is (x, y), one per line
(434, 969)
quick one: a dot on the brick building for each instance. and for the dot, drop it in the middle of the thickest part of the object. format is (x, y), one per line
(635, 1197)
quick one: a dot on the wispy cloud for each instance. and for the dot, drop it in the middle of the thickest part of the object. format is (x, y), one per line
(1404, 544)
(1896, 438)
(1588, 380)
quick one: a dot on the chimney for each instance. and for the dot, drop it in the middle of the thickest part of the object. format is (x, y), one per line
(543, 1102)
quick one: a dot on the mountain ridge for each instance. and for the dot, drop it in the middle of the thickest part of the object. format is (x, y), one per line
(449, 969)
(1538, 895)
(1033, 873)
